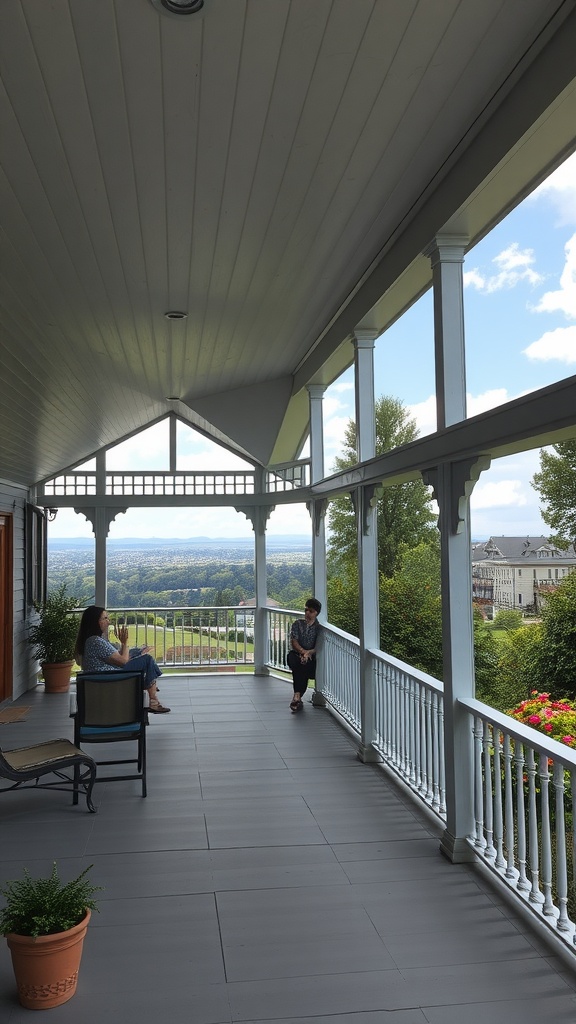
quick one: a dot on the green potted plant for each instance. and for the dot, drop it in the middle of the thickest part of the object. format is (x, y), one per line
(45, 921)
(53, 637)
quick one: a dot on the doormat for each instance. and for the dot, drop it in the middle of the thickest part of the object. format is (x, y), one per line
(10, 715)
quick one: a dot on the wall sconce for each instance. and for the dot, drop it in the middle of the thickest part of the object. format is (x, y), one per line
(178, 6)
(50, 514)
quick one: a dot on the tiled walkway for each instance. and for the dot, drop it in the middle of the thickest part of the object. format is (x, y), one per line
(268, 876)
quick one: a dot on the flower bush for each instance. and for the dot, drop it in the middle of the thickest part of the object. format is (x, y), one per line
(555, 718)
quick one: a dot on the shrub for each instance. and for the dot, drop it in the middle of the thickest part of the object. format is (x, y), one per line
(53, 637)
(554, 718)
(508, 619)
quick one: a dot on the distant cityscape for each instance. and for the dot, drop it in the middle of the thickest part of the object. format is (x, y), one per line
(164, 572)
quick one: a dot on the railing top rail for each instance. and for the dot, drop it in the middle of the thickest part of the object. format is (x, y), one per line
(191, 609)
(429, 681)
(523, 733)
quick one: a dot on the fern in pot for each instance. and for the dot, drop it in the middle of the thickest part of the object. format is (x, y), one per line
(45, 921)
(53, 638)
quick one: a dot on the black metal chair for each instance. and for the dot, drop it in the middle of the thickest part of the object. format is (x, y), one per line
(73, 769)
(110, 709)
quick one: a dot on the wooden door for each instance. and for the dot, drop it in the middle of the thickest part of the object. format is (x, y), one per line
(6, 609)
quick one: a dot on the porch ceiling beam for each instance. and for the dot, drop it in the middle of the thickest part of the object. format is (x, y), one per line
(170, 500)
(541, 418)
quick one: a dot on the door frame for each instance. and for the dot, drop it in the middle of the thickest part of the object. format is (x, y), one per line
(6, 604)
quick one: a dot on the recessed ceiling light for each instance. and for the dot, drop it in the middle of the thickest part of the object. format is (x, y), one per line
(179, 6)
(174, 314)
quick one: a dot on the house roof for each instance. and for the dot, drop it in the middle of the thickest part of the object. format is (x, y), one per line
(273, 170)
(520, 549)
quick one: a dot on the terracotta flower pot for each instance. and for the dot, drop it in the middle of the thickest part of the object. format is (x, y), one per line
(46, 967)
(57, 676)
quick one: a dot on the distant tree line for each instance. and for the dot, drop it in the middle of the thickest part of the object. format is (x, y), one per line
(209, 582)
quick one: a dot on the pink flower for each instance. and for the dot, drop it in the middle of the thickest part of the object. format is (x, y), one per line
(548, 727)
(534, 719)
(568, 739)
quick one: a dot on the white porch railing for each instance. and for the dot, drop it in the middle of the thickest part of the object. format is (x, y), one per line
(410, 727)
(524, 809)
(287, 476)
(525, 785)
(191, 637)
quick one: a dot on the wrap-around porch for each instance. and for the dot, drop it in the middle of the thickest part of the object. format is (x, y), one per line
(270, 875)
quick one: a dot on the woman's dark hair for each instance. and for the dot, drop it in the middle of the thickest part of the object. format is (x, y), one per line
(313, 603)
(89, 626)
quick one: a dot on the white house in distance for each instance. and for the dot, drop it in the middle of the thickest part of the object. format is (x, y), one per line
(515, 572)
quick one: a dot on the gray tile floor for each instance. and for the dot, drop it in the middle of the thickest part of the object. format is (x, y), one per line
(269, 876)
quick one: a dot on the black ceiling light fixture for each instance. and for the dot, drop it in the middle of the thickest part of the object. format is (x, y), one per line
(178, 6)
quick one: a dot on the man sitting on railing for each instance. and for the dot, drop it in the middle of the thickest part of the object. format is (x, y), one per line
(302, 658)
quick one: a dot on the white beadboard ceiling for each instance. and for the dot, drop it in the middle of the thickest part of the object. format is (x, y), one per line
(273, 168)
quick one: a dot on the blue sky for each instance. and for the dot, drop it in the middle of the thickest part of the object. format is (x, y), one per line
(520, 322)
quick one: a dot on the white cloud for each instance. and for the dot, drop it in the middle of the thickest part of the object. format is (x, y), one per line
(559, 344)
(425, 415)
(475, 279)
(425, 412)
(564, 299)
(147, 450)
(514, 265)
(500, 494)
(475, 404)
(560, 189)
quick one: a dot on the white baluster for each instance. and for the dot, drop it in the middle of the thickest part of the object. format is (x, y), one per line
(535, 894)
(478, 787)
(498, 819)
(490, 849)
(563, 924)
(523, 884)
(546, 840)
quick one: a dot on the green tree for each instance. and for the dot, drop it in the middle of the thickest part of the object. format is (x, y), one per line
(519, 655)
(411, 610)
(508, 619)
(556, 485)
(404, 511)
(485, 663)
(342, 593)
(557, 653)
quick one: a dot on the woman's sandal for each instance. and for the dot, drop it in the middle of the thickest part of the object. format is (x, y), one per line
(157, 708)
(294, 706)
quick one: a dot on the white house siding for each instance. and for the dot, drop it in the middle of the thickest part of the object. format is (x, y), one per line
(524, 591)
(13, 502)
(503, 587)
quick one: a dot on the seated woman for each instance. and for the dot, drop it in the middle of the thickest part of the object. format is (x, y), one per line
(95, 653)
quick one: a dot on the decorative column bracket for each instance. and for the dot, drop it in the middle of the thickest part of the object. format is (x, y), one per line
(462, 477)
(317, 511)
(105, 516)
(370, 495)
(258, 516)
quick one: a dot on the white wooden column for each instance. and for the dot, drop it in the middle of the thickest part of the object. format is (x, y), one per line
(367, 537)
(453, 484)
(258, 516)
(447, 259)
(100, 517)
(318, 511)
